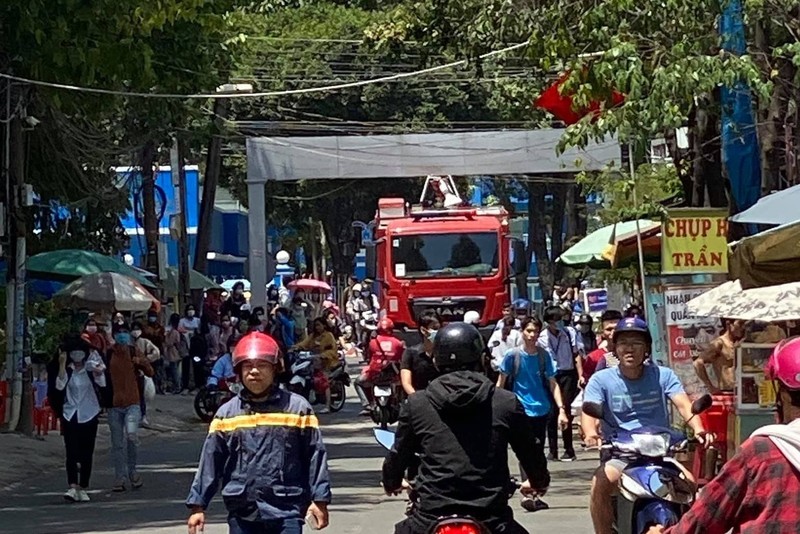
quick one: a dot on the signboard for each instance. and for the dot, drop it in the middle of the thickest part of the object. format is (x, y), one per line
(695, 241)
(687, 336)
(595, 300)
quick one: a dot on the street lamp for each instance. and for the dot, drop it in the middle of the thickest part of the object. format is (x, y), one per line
(282, 257)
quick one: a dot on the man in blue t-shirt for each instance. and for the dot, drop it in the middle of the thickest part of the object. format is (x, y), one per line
(632, 395)
(533, 370)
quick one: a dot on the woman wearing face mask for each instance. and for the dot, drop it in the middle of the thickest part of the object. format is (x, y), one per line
(95, 337)
(175, 349)
(73, 395)
(321, 342)
(232, 306)
(416, 366)
(226, 331)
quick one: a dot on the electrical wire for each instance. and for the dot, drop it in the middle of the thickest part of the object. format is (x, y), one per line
(173, 96)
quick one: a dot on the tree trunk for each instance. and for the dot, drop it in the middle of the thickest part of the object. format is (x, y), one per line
(537, 237)
(709, 185)
(150, 217)
(210, 184)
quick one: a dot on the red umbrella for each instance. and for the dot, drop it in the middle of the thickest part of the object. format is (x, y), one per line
(310, 285)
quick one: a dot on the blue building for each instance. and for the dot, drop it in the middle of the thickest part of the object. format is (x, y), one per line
(229, 243)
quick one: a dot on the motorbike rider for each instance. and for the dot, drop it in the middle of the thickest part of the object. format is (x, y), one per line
(758, 489)
(223, 367)
(416, 366)
(265, 448)
(232, 307)
(463, 406)
(633, 395)
(365, 309)
(384, 350)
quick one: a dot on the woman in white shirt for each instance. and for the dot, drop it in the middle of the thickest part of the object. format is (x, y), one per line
(503, 340)
(74, 396)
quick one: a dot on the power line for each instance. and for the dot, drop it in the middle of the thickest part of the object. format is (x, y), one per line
(173, 96)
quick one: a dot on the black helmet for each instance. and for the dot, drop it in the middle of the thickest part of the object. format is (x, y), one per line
(457, 345)
(585, 318)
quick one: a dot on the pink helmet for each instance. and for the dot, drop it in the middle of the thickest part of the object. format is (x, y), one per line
(784, 364)
(385, 326)
(255, 346)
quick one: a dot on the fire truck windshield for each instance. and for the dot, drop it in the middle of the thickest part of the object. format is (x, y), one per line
(445, 255)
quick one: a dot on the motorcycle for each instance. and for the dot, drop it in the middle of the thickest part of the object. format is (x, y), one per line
(653, 490)
(387, 396)
(448, 524)
(208, 398)
(312, 385)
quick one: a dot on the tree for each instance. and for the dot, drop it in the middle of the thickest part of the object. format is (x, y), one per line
(663, 55)
(328, 42)
(127, 45)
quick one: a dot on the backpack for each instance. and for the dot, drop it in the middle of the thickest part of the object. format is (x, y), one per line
(515, 370)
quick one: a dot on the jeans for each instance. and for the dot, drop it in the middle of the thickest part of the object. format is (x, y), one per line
(361, 383)
(237, 525)
(173, 373)
(124, 426)
(79, 440)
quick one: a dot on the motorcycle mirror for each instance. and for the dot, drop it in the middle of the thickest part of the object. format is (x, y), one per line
(593, 409)
(384, 437)
(702, 404)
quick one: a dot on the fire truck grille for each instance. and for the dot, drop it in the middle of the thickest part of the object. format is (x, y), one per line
(449, 309)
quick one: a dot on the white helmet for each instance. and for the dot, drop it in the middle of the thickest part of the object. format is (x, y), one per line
(356, 288)
(472, 317)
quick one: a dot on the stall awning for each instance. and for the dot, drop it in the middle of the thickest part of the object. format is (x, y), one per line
(777, 208)
(769, 258)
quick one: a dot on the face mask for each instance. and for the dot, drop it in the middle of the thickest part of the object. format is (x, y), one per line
(123, 338)
(76, 356)
(560, 325)
(136, 334)
(92, 328)
(365, 293)
(190, 313)
(585, 328)
(226, 324)
(119, 320)
(234, 320)
(432, 335)
(152, 319)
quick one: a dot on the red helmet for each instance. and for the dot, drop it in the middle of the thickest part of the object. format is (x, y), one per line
(255, 346)
(385, 326)
(784, 364)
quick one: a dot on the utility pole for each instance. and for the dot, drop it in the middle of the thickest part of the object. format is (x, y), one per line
(149, 207)
(213, 169)
(14, 170)
(179, 182)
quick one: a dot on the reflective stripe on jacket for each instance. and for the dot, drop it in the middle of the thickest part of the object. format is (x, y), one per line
(268, 457)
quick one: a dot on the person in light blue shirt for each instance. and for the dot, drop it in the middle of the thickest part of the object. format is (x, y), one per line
(532, 371)
(223, 367)
(632, 395)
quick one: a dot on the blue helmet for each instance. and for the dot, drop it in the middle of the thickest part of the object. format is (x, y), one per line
(632, 324)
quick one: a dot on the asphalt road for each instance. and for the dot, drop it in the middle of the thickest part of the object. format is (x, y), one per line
(168, 462)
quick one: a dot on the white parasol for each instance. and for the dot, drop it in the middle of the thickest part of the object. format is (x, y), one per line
(106, 292)
(768, 304)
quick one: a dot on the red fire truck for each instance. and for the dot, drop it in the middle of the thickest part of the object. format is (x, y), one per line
(450, 257)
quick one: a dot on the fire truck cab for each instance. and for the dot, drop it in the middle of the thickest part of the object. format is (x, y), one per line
(449, 257)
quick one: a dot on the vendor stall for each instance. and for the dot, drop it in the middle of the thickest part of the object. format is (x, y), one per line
(755, 395)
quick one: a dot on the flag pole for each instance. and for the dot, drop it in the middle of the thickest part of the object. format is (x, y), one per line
(638, 232)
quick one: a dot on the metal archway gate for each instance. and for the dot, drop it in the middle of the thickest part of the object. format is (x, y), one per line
(401, 156)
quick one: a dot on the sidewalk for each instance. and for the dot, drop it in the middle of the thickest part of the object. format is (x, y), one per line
(24, 457)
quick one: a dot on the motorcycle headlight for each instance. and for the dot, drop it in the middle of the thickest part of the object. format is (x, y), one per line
(653, 445)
